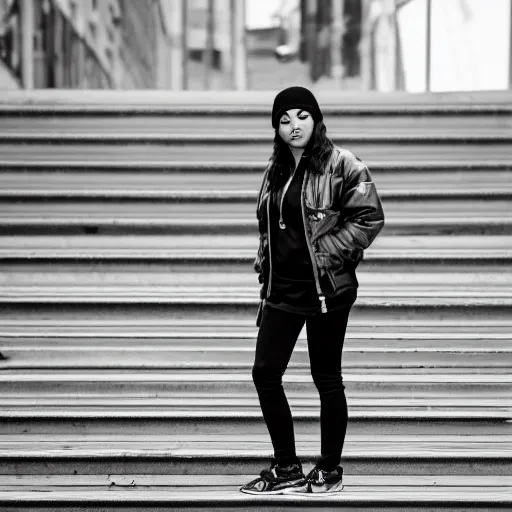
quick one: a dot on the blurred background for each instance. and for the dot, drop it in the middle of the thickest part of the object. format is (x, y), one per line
(357, 45)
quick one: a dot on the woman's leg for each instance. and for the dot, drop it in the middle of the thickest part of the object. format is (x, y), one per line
(326, 334)
(277, 336)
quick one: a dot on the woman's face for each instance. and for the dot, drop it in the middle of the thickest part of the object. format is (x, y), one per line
(296, 127)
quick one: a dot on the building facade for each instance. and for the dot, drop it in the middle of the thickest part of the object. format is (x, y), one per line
(84, 44)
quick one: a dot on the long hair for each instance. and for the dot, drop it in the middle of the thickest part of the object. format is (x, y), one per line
(282, 163)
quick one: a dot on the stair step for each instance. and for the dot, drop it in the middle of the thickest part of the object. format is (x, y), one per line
(78, 253)
(225, 497)
(13, 445)
(238, 185)
(191, 350)
(406, 150)
(19, 324)
(365, 117)
(236, 138)
(362, 446)
(200, 337)
(235, 177)
(452, 283)
(208, 423)
(204, 178)
(88, 481)
(159, 102)
(149, 210)
(241, 113)
(341, 120)
(242, 248)
(341, 123)
(72, 405)
(440, 221)
(421, 298)
(216, 399)
(240, 357)
(90, 318)
(238, 454)
(292, 376)
(112, 282)
(365, 382)
(221, 197)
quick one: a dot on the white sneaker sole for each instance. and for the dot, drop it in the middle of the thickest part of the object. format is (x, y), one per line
(302, 491)
(278, 492)
(263, 493)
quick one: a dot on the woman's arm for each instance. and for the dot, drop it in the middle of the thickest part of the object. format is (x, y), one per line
(361, 215)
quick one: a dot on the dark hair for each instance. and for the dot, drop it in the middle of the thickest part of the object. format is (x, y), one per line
(282, 163)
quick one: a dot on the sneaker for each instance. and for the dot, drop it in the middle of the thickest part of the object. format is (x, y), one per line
(319, 483)
(275, 480)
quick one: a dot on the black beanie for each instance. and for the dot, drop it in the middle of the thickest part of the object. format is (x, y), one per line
(295, 97)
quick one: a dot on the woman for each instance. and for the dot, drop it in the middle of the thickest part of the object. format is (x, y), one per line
(318, 209)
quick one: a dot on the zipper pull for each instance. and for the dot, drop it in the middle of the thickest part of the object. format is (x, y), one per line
(322, 304)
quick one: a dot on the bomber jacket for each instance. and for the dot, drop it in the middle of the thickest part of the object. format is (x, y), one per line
(342, 215)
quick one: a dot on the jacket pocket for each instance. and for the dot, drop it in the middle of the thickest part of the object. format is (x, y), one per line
(343, 279)
(319, 192)
(342, 255)
(322, 223)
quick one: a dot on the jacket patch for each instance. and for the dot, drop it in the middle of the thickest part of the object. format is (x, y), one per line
(364, 187)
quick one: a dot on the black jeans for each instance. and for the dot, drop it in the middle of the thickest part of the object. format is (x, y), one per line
(277, 336)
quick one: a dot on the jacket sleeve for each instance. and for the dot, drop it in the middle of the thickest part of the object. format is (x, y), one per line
(362, 216)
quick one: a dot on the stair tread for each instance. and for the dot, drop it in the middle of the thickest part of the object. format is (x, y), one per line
(149, 210)
(207, 221)
(168, 295)
(291, 376)
(408, 152)
(352, 495)
(235, 137)
(173, 192)
(242, 441)
(239, 340)
(187, 242)
(221, 198)
(240, 282)
(214, 183)
(246, 284)
(173, 481)
(228, 247)
(243, 446)
(248, 402)
(241, 278)
(223, 326)
(248, 101)
(476, 165)
(15, 359)
(402, 123)
(365, 414)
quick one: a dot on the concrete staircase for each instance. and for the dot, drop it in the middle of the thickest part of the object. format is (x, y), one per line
(127, 235)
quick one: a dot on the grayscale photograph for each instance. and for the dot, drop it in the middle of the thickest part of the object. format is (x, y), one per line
(255, 255)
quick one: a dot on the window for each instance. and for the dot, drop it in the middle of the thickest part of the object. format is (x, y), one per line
(92, 29)
(110, 57)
